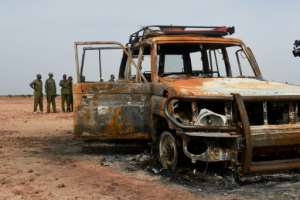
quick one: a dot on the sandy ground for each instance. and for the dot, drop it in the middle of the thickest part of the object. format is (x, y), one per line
(39, 159)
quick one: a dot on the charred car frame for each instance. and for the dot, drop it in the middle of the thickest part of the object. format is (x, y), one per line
(196, 91)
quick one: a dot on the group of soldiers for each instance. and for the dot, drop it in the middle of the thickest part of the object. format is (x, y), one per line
(50, 89)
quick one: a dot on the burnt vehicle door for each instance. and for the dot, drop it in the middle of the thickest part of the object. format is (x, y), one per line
(110, 110)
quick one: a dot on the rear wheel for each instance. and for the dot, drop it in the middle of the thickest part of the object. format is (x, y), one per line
(168, 151)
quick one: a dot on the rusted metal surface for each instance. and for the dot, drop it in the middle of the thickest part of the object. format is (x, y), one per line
(277, 165)
(213, 134)
(113, 43)
(245, 130)
(191, 39)
(193, 86)
(82, 43)
(237, 119)
(193, 127)
(154, 30)
(285, 135)
(275, 135)
(112, 110)
(212, 154)
(210, 149)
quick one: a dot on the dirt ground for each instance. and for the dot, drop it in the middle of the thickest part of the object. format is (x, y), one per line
(39, 159)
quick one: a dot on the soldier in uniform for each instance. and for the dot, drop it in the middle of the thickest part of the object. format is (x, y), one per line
(65, 91)
(50, 88)
(70, 96)
(37, 86)
(112, 78)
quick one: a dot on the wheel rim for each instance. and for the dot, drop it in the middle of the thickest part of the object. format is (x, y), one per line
(168, 151)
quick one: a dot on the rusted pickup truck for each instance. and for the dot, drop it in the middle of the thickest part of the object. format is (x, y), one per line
(195, 91)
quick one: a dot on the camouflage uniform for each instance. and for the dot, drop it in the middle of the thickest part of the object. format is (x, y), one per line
(37, 86)
(50, 88)
(70, 96)
(65, 91)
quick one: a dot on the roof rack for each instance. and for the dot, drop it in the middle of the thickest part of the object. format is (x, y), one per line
(153, 30)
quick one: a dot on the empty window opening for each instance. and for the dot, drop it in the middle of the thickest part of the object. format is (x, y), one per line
(278, 112)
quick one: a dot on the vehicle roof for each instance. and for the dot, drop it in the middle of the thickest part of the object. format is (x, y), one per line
(192, 39)
(185, 34)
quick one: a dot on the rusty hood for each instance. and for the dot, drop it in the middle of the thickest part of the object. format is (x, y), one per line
(195, 86)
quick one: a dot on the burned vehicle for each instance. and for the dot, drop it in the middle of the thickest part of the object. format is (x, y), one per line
(195, 91)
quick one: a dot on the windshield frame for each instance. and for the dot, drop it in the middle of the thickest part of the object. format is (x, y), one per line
(223, 41)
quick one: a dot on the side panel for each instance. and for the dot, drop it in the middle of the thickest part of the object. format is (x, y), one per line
(112, 110)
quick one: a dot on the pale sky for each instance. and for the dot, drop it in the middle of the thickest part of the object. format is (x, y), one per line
(37, 35)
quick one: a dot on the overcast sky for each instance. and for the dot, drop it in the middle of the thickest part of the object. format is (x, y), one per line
(37, 36)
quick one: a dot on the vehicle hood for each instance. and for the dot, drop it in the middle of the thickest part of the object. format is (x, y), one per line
(194, 86)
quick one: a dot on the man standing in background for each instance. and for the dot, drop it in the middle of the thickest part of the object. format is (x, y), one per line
(112, 78)
(70, 96)
(65, 91)
(50, 88)
(37, 86)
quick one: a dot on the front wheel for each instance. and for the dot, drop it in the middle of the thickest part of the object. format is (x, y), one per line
(168, 151)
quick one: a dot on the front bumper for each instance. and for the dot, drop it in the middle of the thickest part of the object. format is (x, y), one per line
(275, 135)
(211, 154)
(266, 139)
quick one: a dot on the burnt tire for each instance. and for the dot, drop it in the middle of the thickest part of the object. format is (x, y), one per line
(168, 151)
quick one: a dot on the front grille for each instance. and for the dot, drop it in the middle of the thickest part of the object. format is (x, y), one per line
(272, 112)
(278, 112)
(255, 112)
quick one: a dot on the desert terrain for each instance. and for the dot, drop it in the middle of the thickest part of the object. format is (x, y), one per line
(40, 159)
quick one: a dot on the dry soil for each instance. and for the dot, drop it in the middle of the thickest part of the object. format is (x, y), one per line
(39, 159)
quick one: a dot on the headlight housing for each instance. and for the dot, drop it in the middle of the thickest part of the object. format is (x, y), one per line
(209, 118)
(201, 113)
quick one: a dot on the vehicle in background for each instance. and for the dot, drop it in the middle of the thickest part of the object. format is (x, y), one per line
(296, 49)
